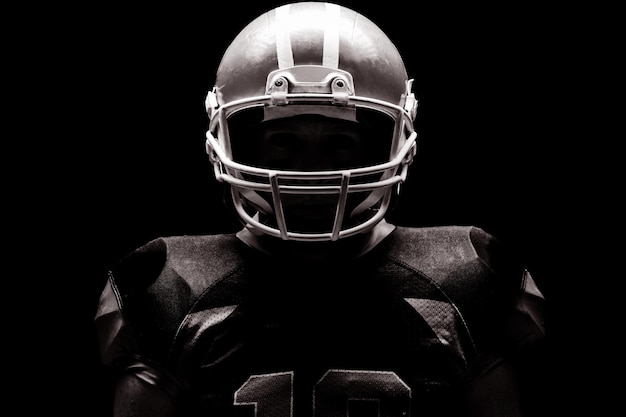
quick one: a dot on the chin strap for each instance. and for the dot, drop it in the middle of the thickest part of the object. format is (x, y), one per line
(373, 198)
(377, 234)
(255, 200)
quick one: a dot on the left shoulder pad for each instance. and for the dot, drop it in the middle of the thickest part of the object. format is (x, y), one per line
(476, 271)
(439, 252)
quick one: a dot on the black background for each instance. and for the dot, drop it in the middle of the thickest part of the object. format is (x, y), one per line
(496, 135)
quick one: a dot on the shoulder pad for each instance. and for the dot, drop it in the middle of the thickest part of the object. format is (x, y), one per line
(159, 283)
(197, 260)
(475, 270)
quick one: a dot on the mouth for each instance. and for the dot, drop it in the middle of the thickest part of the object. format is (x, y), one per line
(310, 213)
(304, 212)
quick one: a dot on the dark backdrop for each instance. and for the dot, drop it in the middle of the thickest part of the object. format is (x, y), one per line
(491, 151)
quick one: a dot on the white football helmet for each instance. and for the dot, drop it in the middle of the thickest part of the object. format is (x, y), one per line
(311, 58)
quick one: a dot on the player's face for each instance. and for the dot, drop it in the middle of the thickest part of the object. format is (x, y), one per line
(309, 143)
(312, 143)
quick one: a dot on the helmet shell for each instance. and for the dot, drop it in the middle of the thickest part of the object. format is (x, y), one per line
(312, 33)
(321, 59)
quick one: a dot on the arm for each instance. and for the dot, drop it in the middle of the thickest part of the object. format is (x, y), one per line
(135, 397)
(141, 390)
(495, 393)
(513, 386)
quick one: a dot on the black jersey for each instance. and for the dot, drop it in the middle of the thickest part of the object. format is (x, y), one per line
(397, 332)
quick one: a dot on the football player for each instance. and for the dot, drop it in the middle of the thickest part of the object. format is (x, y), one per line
(318, 306)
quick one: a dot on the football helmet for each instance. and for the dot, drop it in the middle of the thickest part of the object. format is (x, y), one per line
(323, 60)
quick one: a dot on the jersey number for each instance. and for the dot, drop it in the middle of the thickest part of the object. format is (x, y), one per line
(337, 393)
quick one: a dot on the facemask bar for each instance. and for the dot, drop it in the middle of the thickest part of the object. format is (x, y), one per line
(277, 183)
(272, 181)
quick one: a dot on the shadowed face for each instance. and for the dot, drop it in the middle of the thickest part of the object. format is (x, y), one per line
(311, 143)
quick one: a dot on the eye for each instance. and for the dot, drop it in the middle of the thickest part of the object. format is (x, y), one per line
(278, 149)
(282, 140)
(339, 142)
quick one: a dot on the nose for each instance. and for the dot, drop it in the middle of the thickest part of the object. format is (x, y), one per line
(304, 151)
(311, 155)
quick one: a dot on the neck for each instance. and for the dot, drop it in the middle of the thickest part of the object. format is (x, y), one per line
(348, 248)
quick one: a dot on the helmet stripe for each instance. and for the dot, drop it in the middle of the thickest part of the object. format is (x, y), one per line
(331, 37)
(283, 40)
